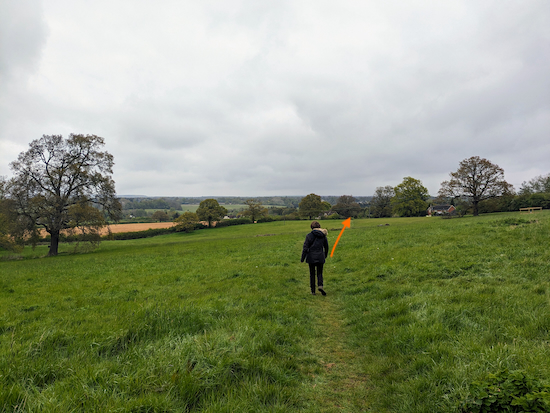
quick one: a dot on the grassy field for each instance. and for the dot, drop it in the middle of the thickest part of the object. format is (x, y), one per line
(221, 320)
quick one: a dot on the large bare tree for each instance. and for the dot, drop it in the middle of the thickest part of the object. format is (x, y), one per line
(63, 184)
(476, 179)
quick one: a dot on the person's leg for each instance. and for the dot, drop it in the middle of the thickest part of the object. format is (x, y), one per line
(312, 278)
(320, 286)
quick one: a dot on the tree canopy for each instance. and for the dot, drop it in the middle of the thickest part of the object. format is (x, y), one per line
(210, 210)
(255, 209)
(12, 233)
(476, 179)
(186, 221)
(539, 184)
(160, 216)
(381, 205)
(347, 206)
(62, 184)
(410, 198)
(311, 206)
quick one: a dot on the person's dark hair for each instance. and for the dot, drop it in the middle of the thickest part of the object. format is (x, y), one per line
(315, 224)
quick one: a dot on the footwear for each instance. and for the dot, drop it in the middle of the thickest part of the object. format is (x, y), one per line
(320, 288)
(313, 293)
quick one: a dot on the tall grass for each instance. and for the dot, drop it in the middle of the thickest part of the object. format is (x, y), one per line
(221, 320)
(434, 306)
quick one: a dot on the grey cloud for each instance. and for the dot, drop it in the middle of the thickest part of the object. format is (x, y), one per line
(23, 35)
(248, 98)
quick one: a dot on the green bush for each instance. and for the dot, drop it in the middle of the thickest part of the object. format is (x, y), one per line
(332, 216)
(507, 392)
(268, 218)
(230, 222)
(153, 232)
(531, 200)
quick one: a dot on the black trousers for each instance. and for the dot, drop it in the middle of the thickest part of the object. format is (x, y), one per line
(312, 268)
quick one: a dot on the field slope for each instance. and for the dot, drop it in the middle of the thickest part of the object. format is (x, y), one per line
(221, 320)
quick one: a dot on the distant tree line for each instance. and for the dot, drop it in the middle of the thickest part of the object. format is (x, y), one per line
(282, 202)
(477, 186)
(151, 203)
(64, 186)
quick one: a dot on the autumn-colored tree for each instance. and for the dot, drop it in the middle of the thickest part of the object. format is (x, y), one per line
(476, 179)
(64, 184)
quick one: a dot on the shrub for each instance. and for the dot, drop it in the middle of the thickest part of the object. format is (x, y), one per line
(531, 200)
(230, 222)
(507, 392)
(267, 218)
(186, 221)
(140, 234)
(332, 216)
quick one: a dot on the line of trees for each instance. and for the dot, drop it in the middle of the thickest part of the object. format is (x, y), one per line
(151, 203)
(66, 185)
(477, 186)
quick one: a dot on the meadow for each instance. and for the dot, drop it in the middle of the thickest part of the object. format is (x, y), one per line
(221, 320)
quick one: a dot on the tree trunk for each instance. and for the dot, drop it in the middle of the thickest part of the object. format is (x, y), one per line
(474, 206)
(54, 243)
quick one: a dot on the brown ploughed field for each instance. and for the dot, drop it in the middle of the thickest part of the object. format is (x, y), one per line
(131, 227)
(136, 227)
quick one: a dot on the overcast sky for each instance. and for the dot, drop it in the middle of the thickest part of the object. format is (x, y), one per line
(286, 97)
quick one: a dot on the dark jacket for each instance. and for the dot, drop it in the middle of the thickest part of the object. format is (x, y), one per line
(315, 247)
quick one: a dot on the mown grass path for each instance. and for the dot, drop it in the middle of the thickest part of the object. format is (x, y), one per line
(339, 386)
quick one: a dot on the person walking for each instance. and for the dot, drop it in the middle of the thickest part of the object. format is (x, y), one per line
(315, 252)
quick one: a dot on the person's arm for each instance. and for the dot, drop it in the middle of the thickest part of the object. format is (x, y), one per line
(325, 245)
(305, 249)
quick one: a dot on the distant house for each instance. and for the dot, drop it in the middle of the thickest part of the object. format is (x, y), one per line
(441, 210)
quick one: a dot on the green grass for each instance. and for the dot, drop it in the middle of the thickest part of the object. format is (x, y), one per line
(221, 320)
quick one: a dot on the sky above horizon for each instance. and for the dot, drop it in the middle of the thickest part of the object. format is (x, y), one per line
(248, 98)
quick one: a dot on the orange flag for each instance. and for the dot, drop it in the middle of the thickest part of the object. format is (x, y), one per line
(347, 224)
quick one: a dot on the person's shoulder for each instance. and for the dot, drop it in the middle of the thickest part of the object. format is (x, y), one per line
(322, 230)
